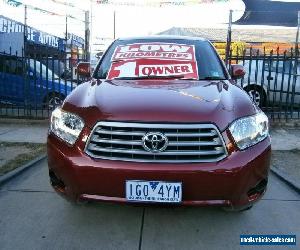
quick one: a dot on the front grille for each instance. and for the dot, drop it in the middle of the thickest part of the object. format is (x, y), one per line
(186, 142)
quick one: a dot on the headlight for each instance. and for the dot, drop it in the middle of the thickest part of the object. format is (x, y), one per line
(250, 130)
(65, 125)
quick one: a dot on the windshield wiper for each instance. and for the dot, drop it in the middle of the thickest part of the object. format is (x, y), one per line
(153, 77)
(212, 78)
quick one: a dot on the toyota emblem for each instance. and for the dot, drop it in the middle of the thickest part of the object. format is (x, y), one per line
(155, 142)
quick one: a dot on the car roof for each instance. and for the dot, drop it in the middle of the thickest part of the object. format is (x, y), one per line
(164, 37)
(9, 55)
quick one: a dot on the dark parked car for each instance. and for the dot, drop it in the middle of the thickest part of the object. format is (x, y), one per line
(31, 81)
(160, 121)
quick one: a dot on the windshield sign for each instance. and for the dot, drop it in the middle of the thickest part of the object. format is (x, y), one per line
(154, 59)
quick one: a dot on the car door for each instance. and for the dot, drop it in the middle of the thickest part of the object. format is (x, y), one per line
(3, 85)
(295, 89)
(279, 80)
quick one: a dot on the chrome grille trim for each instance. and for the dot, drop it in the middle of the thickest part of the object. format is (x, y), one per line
(191, 134)
(188, 143)
(100, 131)
(143, 152)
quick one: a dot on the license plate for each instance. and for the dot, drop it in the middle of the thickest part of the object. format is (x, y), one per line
(154, 191)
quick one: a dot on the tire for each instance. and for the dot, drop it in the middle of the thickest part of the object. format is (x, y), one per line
(53, 100)
(257, 94)
(236, 210)
(81, 202)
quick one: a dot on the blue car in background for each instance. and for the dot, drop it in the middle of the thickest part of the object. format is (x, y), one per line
(30, 82)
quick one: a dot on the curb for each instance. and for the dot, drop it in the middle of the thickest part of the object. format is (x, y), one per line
(285, 178)
(290, 124)
(23, 121)
(10, 175)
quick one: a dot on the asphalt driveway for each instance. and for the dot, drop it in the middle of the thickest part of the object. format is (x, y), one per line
(32, 216)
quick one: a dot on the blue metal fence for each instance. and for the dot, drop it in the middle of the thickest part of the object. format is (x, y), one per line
(31, 86)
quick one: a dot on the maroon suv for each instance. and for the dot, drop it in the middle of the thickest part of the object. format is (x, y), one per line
(160, 121)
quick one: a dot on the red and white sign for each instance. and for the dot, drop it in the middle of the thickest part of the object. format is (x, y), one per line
(166, 51)
(154, 59)
(165, 69)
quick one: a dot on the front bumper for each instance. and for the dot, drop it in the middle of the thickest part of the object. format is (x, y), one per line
(230, 182)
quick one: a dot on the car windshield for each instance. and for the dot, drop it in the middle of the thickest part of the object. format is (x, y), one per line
(161, 59)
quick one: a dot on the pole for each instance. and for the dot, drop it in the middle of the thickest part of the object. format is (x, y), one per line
(114, 24)
(297, 35)
(66, 56)
(91, 26)
(66, 36)
(87, 35)
(25, 31)
(228, 44)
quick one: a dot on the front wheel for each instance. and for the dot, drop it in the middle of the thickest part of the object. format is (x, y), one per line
(257, 94)
(54, 100)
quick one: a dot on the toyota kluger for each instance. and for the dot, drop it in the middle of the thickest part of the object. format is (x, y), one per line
(160, 120)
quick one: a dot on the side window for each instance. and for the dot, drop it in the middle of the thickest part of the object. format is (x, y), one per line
(277, 66)
(288, 66)
(283, 66)
(1, 64)
(13, 66)
(274, 66)
(4, 66)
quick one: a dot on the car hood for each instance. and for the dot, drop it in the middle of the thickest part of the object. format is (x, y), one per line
(181, 101)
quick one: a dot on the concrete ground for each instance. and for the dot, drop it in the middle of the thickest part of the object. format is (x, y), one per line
(285, 139)
(19, 132)
(33, 216)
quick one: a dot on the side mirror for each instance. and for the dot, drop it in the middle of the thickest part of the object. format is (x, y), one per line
(84, 69)
(237, 71)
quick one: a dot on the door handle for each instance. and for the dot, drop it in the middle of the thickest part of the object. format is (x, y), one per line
(269, 78)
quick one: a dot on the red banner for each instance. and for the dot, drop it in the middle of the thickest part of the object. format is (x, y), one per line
(154, 59)
(155, 50)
